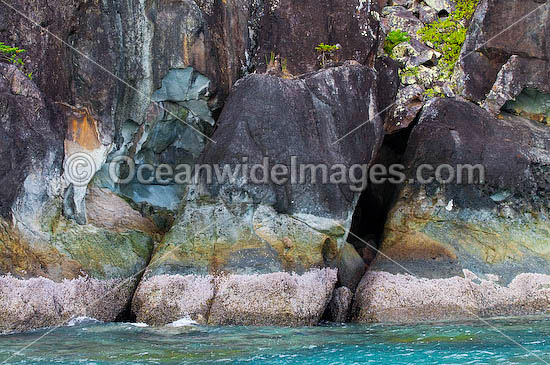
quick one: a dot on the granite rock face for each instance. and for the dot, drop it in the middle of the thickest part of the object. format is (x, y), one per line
(31, 133)
(308, 114)
(143, 79)
(84, 269)
(497, 63)
(293, 29)
(40, 302)
(272, 299)
(441, 238)
(246, 228)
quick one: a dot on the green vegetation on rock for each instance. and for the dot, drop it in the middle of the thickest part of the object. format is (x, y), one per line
(447, 35)
(326, 53)
(433, 93)
(11, 54)
(394, 38)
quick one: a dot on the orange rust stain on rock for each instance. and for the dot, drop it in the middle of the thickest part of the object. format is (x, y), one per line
(82, 128)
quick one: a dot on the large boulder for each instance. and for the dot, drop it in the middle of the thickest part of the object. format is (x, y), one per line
(504, 53)
(249, 228)
(462, 250)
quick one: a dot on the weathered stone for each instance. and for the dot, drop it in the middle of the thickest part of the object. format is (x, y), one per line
(243, 239)
(328, 105)
(409, 102)
(439, 5)
(265, 299)
(532, 104)
(249, 229)
(399, 18)
(272, 299)
(493, 38)
(84, 269)
(387, 83)
(164, 299)
(31, 137)
(427, 14)
(107, 210)
(438, 232)
(174, 135)
(403, 298)
(516, 76)
(340, 304)
(40, 302)
(293, 30)
(351, 267)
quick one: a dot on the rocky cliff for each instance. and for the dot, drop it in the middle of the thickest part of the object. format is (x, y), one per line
(162, 84)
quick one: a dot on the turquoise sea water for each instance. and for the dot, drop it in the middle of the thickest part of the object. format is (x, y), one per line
(91, 342)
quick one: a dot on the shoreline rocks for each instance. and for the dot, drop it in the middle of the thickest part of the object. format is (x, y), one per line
(39, 302)
(280, 298)
(491, 225)
(264, 240)
(403, 298)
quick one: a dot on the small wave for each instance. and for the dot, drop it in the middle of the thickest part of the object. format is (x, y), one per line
(82, 320)
(184, 322)
(139, 324)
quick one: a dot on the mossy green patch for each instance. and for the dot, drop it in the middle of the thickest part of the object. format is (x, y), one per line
(447, 35)
(394, 38)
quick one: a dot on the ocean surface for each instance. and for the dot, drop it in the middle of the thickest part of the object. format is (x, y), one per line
(85, 341)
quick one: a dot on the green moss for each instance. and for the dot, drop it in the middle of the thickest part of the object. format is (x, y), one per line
(103, 254)
(433, 93)
(465, 9)
(409, 72)
(448, 35)
(394, 38)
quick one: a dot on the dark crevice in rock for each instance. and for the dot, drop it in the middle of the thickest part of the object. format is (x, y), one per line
(376, 200)
(443, 13)
(128, 315)
(215, 288)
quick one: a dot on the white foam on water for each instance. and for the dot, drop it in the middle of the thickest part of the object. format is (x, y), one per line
(80, 320)
(139, 324)
(183, 322)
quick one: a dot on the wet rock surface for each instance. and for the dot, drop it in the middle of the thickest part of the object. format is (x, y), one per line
(31, 132)
(340, 304)
(261, 229)
(436, 231)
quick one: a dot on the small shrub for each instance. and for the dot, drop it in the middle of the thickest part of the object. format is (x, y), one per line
(394, 38)
(465, 9)
(326, 53)
(11, 55)
(409, 72)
